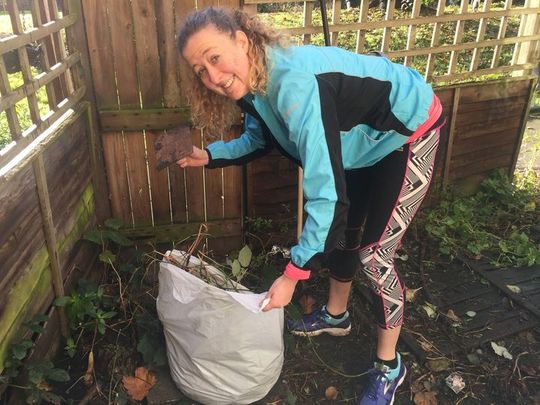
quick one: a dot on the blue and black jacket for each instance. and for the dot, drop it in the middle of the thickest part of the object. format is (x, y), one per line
(329, 110)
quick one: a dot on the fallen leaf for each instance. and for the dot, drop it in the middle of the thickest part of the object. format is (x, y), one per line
(138, 387)
(452, 316)
(307, 302)
(438, 365)
(410, 294)
(425, 398)
(331, 393)
(88, 377)
(430, 309)
(514, 288)
(470, 314)
(455, 382)
(501, 351)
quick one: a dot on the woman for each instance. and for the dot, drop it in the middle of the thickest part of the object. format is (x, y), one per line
(364, 130)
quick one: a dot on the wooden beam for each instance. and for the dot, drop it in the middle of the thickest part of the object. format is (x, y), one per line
(180, 232)
(138, 120)
(451, 134)
(50, 237)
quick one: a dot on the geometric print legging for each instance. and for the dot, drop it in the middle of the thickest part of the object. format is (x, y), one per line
(383, 201)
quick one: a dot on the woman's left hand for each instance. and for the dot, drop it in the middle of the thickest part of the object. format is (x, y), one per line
(281, 292)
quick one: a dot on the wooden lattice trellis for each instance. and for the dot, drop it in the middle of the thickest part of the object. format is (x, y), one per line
(59, 77)
(525, 43)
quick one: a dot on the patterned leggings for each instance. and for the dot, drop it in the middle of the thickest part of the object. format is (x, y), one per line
(384, 199)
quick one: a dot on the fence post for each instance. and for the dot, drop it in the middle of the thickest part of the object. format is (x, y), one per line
(526, 52)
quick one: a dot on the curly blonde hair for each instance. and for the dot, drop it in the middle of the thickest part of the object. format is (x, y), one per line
(211, 111)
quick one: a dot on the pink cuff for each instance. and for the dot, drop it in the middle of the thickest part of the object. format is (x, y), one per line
(434, 112)
(296, 273)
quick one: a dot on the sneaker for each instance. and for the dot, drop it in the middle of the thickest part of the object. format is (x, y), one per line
(383, 383)
(318, 322)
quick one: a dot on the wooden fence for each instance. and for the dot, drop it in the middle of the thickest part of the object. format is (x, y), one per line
(112, 82)
(50, 169)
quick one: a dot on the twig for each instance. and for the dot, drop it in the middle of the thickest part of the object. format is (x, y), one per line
(516, 364)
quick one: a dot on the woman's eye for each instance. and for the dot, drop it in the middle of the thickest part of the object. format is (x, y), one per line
(214, 59)
(200, 72)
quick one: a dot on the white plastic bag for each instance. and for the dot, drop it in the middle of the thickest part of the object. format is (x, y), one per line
(221, 348)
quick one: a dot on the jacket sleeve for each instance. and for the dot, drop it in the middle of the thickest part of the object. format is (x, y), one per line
(307, 106)
(250, 145)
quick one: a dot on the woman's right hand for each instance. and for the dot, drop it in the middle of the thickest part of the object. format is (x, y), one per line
(199, 157)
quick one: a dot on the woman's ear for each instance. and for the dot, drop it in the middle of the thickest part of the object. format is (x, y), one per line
(242, 40)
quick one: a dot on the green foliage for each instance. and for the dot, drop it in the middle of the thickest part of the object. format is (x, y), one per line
(240, 265)
(258, 224)
(151, 343)
(87, 309)
(39, 374)
(493, 224)
(106, 236)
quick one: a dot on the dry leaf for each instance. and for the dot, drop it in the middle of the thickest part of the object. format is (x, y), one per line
(307, 302)
(452, 316)
(501, 351)
(410, 294)
(137, 387)
(88, 377)
(331, 393)
(514, 288)
(425, 398)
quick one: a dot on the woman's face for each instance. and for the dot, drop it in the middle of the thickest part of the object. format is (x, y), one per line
(221, 62)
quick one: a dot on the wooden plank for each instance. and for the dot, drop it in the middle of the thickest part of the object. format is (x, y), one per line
(178, 194)
(483, 166)
(159, 184)
(524, 120)
(458, 35)
(143, 119)
(477, 128)
(11, 114)
(232, 185)
(53, 45)
(177, 232)
(336, 17)
(135, 147)
(501, 34)
(195, 193)
(486, 115)
(307, 21)
(123, 50)
(482, 25)
(435, 38)
(530, 24)
(411, 31)
(100, 50)
(451, 135)
(492, 91)
(50, 237)
(498, 105)
(167, 53)
(361, 34)
(146, 46)
(487, 141)
(387, 32)
(181, 10)
(115, 163)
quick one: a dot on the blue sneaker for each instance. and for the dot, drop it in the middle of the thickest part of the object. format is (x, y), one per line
(383, 383)
(318, 322)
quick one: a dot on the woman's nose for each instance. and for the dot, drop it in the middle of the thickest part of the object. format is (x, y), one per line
(214, 75)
